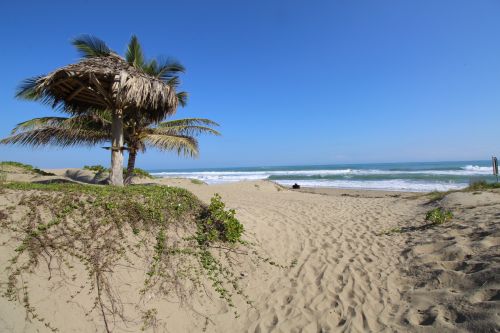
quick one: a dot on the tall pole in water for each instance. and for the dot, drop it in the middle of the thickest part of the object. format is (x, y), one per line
(494, 162)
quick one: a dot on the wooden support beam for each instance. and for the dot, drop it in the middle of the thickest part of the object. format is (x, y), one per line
(76, 92)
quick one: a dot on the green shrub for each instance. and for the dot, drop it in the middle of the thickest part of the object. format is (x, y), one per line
(438, 215)
(97, 168)
(197, 182)
(220, 224)
(102, 227)
(100, 169)
(140, 173)
(482, 185)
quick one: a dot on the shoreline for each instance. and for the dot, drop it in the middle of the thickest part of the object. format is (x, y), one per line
(392, 180)
(367, 193)
(316, 190)
(394, 177)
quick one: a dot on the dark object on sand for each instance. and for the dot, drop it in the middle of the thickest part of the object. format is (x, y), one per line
(295, 186)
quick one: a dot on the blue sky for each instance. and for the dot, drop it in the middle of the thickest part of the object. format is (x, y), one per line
(290, 82)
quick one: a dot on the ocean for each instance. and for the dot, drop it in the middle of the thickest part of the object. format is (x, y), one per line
(414, 177)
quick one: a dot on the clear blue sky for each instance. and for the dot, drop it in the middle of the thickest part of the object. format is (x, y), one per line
(291, 82)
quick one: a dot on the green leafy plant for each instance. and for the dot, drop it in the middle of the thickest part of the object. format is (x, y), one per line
(188, 246)
(141, 173)
(100, 169)
(220, 224)
(197, 181)
(438, 215)
(97, 168)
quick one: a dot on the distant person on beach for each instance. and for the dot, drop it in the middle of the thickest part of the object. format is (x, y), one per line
(295, 186)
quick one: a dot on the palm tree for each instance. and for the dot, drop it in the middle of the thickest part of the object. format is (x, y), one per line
(139, 127)
(92, 129)
(103, 80)
(178, 135)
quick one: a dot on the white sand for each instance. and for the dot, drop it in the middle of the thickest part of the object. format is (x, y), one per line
(348, 277)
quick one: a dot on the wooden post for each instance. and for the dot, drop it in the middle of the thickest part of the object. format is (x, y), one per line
(494, 163)
(116, 174)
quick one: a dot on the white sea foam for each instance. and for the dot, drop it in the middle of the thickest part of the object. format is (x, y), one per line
(469, 170)
(476, 168)
(406, 183)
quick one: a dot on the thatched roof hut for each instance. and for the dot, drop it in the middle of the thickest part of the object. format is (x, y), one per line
(105, 82)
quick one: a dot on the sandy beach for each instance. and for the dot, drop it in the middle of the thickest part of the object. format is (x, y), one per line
(351, 274)
(255, 167)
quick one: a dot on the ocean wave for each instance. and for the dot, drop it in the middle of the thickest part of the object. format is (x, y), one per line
(266, 173)
(469, 170)
(477, 168)
(440, 179)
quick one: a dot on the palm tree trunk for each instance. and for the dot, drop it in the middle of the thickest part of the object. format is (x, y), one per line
(116, 175)
(130, 165)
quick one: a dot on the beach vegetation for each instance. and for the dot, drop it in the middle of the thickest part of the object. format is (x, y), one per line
(482, 185)
(197, 181)
(435, 196)
(438, 215)
(136, 171)
(475, 186)
(9, 165)
(395, 230)
(96, 168)
(434, 217)
(220, 223)
(188, 247)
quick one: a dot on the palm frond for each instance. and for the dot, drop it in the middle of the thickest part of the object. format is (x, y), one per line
(187, 126)
(192, 130)
(163, 69)
(90, 46)
(28, 88)
(188, 122)
(150, 67)
(184, 145)
(167, 68)
(97, 115)
(174, 81)
(38, 122)
(134, 54)
(57, 136)
(182, 97)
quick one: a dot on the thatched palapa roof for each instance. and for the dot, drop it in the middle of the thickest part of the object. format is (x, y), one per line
(105, 82)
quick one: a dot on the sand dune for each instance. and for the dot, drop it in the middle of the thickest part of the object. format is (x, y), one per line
(346, 277)
(455, 270)
(350, 277)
